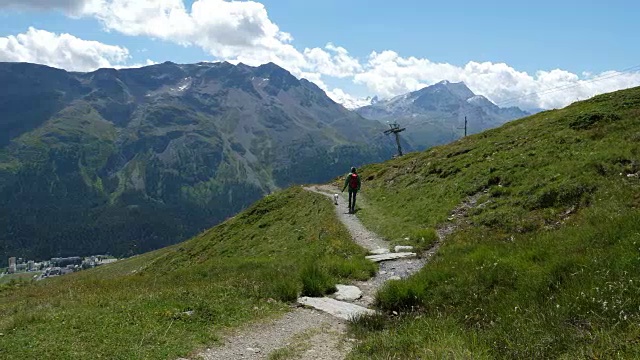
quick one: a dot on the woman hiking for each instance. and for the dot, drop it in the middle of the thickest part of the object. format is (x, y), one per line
(353, 182)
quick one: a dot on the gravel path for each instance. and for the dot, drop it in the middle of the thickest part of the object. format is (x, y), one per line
(388, 270)
(359, 233)
(309, 334)
(299, 334)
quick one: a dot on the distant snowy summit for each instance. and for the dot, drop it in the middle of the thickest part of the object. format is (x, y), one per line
(355, 103)
(403, 103)
(444, 97)
(436, 114)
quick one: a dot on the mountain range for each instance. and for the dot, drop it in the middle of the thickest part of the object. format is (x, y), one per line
(125, 161)
(436, 114)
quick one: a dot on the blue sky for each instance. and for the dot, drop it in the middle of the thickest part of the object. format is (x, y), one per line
(529, 35)
(498, 48)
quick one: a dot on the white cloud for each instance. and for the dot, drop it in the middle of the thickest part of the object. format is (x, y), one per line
(68, 5)
(60, 50)
(335, 62)
(228, 30)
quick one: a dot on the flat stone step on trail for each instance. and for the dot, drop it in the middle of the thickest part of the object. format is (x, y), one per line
(401, 248)
(347, 293)
(379, 251)
(398, 249)
(340, 309)
(390, 256)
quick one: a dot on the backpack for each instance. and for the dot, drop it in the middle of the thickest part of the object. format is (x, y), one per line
(353, 181)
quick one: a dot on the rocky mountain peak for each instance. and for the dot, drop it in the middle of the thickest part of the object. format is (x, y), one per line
(459, 89)
(434, 113)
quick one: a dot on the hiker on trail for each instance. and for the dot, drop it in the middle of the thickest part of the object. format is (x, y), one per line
(353, 182)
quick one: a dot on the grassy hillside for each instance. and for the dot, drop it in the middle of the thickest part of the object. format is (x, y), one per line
(169, 302)
(546, 263)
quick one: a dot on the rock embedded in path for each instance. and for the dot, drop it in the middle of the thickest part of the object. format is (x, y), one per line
(348, 293)
(400, 248)
(390, 256)
(379, 251)
(339, 309)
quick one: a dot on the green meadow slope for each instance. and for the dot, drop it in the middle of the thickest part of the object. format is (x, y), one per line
(169, 302)
(546, 264)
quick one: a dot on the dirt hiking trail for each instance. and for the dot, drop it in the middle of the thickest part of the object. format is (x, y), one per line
(321, 332)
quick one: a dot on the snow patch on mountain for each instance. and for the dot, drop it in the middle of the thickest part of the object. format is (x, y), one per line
(350, 102)
(481, 101)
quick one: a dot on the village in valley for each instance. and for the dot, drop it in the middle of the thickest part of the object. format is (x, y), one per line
(22, 268)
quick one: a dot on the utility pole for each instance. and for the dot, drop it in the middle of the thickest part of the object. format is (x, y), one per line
(396, 130)
(465, 127)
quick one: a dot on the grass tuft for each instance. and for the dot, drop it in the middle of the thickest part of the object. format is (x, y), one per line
(316, 281)
(369, 323)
